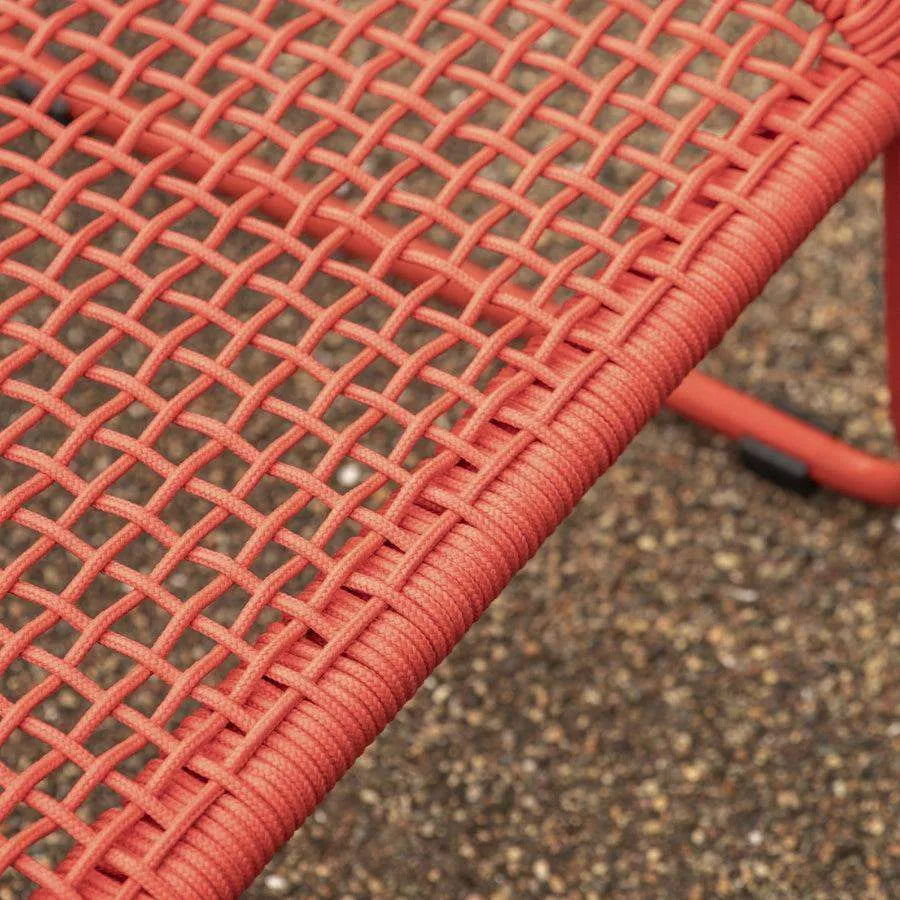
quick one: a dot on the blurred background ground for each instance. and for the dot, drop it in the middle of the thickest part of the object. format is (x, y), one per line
(692, 689)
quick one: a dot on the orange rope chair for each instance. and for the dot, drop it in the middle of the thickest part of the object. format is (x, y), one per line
(316, 319)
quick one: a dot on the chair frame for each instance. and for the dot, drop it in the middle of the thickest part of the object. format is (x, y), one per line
(817, 456)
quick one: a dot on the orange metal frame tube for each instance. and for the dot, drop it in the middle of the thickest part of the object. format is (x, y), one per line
(704, 400)
(829, 462)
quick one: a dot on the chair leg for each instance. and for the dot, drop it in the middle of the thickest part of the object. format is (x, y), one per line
(794, 452)
(892, 276)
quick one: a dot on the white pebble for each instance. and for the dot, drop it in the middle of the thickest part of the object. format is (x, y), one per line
(349, 475)
(744, 595)
(277, 883)
(441, 693)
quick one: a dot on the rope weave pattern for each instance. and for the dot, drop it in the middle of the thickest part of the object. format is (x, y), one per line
(315, 319)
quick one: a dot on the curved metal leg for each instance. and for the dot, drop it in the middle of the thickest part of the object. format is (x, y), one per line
(785, 447)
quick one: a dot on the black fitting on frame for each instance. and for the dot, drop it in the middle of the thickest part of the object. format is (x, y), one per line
(784, 470)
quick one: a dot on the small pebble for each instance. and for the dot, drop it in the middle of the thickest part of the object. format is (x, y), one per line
(541, 869)
(349, 475)
(277, 883)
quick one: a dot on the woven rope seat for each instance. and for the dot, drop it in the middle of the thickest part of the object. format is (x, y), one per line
(315, 320)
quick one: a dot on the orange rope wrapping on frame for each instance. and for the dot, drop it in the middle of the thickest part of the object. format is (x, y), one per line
(316, 319)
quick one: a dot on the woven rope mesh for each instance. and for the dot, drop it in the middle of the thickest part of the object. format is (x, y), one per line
(284, 290)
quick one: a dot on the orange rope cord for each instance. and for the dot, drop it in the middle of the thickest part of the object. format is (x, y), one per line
(698, 397)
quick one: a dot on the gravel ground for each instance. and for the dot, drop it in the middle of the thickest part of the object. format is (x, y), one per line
(692, 689)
